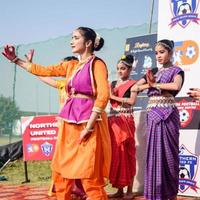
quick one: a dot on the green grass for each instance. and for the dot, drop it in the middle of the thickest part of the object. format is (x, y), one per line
(39, 172)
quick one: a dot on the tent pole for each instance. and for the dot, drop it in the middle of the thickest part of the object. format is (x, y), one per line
(151, 15)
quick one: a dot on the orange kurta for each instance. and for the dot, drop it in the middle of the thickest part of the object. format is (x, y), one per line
(92, 158)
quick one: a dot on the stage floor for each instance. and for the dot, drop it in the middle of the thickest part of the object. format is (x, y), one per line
(23, 192)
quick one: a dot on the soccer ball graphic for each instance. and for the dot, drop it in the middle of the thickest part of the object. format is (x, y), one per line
(184, 115)
(184, 173)
(184, 8)
(190, 52)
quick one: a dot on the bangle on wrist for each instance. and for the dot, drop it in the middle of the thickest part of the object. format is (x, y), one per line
(29, 67)
(89, 129)
(97, 110)
(124, 100)
(157, 86)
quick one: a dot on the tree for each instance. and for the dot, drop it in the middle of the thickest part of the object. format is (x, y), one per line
(9, 112)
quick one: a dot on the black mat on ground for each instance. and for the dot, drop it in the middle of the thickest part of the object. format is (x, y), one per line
(11, 151)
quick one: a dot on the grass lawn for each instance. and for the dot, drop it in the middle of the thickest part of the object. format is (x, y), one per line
(39, 174)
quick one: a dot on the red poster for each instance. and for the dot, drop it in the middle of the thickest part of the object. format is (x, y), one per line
(39, 137)
(189, 111)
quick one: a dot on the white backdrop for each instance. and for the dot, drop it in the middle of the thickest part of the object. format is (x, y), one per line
(186, 35)
(178, 20)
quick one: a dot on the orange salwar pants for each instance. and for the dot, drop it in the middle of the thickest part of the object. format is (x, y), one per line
(94, 188)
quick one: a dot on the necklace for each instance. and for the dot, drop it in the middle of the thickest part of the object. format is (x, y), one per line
(81, 62)
(167, 65)
(120, 82)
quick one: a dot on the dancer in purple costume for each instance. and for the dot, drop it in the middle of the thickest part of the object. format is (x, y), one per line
(162, 160)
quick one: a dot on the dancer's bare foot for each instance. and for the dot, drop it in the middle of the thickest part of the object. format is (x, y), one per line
(118, 194)
(129, 195)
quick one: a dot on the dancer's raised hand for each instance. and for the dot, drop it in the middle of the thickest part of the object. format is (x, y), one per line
(9, 53)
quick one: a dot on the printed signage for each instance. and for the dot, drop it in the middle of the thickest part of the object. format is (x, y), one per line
(39, 137)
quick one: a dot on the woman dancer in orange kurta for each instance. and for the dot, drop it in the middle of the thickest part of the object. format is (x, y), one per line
(83, 149)
(77, 190)
(122, 129)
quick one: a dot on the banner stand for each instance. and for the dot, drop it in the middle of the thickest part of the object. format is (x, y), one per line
(39, 135)
(26, 173)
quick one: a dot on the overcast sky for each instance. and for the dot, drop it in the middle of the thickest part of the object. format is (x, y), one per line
(28, 21)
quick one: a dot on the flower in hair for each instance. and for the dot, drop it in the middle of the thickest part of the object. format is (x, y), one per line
(97, 40)
(123, 57)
